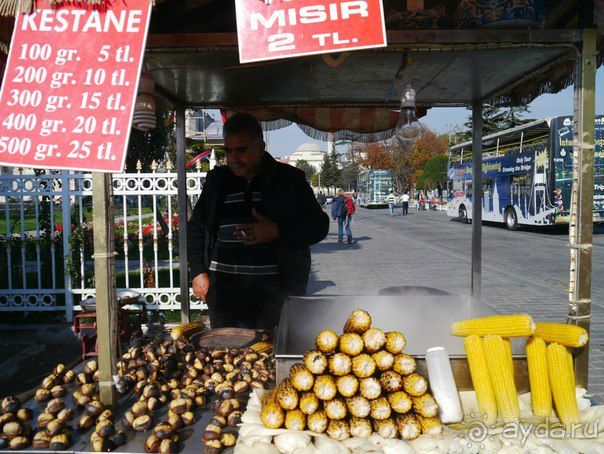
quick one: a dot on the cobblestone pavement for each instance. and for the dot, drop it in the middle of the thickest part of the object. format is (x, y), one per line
(523, 271)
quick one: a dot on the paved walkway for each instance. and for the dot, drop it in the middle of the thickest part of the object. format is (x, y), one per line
(523, 271)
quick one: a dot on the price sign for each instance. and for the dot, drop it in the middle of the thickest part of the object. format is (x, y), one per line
(69, 87)
(268, 29)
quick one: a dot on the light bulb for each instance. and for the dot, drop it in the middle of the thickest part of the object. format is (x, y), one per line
(407, 128)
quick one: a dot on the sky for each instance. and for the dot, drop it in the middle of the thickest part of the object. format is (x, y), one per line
(441, 119)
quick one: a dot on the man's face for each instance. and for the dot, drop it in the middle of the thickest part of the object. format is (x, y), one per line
(244, 154)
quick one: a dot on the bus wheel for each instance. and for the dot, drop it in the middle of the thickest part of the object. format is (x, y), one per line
(510, 219)
(463, 214)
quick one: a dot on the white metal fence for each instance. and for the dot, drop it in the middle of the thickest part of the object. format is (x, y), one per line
(46, 238)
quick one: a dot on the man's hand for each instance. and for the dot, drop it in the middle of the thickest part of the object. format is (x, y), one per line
(262, 231)
(201, 285)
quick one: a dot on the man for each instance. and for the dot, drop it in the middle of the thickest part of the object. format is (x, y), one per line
(250, 233)
(405, 200)
(391, 201)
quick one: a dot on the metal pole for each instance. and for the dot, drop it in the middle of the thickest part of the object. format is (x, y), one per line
(581, 212)
(476, 199)
(66, 210)
(185, 310)
(104, 271)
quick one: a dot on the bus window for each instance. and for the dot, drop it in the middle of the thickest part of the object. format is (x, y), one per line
(487, 187)
(520, 186)
(468, 189)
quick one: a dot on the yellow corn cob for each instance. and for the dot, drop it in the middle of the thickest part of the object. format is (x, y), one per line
(287, 395)
(272, 415)
(541, 394)
(562, 333)
(479, 371)
(430, 426)
(262, 347)
(301, 377)
(562, 382)
(317, 422)
(502, 377)
(520, 325)
(295, 420)
(425, 406)
(409, 428)
(186, 329)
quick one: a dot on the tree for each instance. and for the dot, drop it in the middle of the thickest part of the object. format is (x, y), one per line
(427, 145)
(434, 174)
(497, 118)
(349, 176)
(308, 170)
(152, 145)
(330, 173)
(377, 156)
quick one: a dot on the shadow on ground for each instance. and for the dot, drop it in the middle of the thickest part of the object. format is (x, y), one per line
(330, 244)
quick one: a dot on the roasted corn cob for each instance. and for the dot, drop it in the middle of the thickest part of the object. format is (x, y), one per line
(358, 406)
(338, 430)
(348, 385)
(340, 364)
(380, 408)
(358, 321)
(325, 387)
(272, 415)
(186, 329)
(519, 325)
(415, 385)
(309, 403)
(295, 420)
(262, 347)
(408, 426)
(351, 344)
(316, 362)
(374, 339)
(327, 341)
(360, 427)
(562, 333)
(335, 409)
(391, 381)
(541, 393)
(404, 364)
(400, 402)
(301, 378)
(502, 377)
(395, 342)
(485, 395)
(363, 366)
(386, 428)
(370, 388)
(317, 422)
(287, 395)
(562, 382)
(383, 360)
(425, 405)
(430, 426)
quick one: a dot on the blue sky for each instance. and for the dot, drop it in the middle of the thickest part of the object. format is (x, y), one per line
(285, 141)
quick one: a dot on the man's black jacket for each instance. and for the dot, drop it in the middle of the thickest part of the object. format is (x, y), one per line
(287, 199)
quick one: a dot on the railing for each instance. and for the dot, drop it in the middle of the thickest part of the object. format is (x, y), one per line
(41, 271)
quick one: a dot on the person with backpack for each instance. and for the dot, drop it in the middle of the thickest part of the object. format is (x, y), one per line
(340, 211)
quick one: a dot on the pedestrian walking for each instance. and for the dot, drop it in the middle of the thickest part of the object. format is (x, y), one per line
(391, 201)
(405, 200)
(322, 199)
(339, 212)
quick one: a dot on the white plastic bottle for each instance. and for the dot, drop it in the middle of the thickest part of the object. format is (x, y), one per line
(442, 384)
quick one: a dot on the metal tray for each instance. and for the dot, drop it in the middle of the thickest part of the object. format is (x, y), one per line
(425, 320)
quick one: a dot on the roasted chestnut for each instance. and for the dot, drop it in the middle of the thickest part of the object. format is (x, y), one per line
(218, 421)
(12, 429)
(228, 439)
(60, 370)
(49, 381)
(140, 408)
(175, 420)
(88, 389)
(212, 447)
(178, 406)
(168, 447)
(55, 406)
(234, 418)
(91, 367)
(163, 430)
(59, 442)
(101, 445)
(25, 414)
(55, 427)
(10, 404)
(142, 423)
(69, 376)
(42, 394)
(57, 391)
(44, 419)
(85, 421)
(65, 415)
(106, 415)
(41, 440)
(19, 443)
(152, 444)
(94, 408)
(128, 419)
(105, 429)
(188, 418)
(118, 438)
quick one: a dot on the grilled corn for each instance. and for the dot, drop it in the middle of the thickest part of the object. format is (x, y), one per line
(327, 341)
(562, 381)
(287, 395)
(404, 364)
(363, 366)
(391, 381)
(316, 362)
(370, 388)
(415, 385)
(317, 422)
(335, 409)
(358, 321)
(338, 430)
(272, 415)
(541, 393)
(309, 403)
(358, 406)
(386, 428)
(302, 379)
(374, 339)
(430, 426)
(295, 420)
(395, 342)
(262, 347)
(348, 385)
(186, 329)
(485, 395)
(383, 360)
(351, 344)
(325, 387)
(360, 427)
(425, 405)
(380, 408)
(502, 377)
(519, 325)
(408, 426)
(340, 364)
(400, 402)
(562, 333)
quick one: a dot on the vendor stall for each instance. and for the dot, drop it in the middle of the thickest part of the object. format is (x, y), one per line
(455, 55)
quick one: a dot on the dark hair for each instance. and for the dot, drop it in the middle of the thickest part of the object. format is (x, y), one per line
(242, 122)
